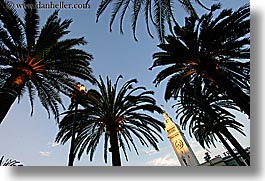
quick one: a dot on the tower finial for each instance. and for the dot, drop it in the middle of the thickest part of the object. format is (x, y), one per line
(162, 107)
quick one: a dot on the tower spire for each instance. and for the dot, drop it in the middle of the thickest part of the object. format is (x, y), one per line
(167, 119)
(179, 143)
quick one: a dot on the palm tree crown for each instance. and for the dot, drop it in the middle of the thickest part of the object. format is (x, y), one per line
(204, 114)
(118, 115)
(207, 115)
(215, 50)
(39, 61)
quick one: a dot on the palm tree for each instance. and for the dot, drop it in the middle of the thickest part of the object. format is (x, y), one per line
(203, 112)
(158, 12)
(216, 50)
(118, 115)
(38, 61)
(9, 162)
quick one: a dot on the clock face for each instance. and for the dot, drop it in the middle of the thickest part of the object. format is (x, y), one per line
(179, 144)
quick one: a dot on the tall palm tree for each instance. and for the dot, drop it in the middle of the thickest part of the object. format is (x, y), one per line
(39, 61)
(158, 12)
(216, 50)
(9, 162)
(205, 115)
(118, 115)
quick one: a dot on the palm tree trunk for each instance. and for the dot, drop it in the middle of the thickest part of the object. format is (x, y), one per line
(232, 153)
(9, 93)
(114, 149)
(72, 146)
(241, 99)
(7, 98)
(235, 143)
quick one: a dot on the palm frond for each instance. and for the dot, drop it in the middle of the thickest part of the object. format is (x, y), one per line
(157, 12)
(9, 162)
(12, 23)
(51, 32)
(31, 22)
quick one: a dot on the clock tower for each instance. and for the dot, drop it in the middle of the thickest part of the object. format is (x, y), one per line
(180, 145)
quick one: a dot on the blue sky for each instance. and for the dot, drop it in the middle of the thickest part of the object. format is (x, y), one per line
(31, 139)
